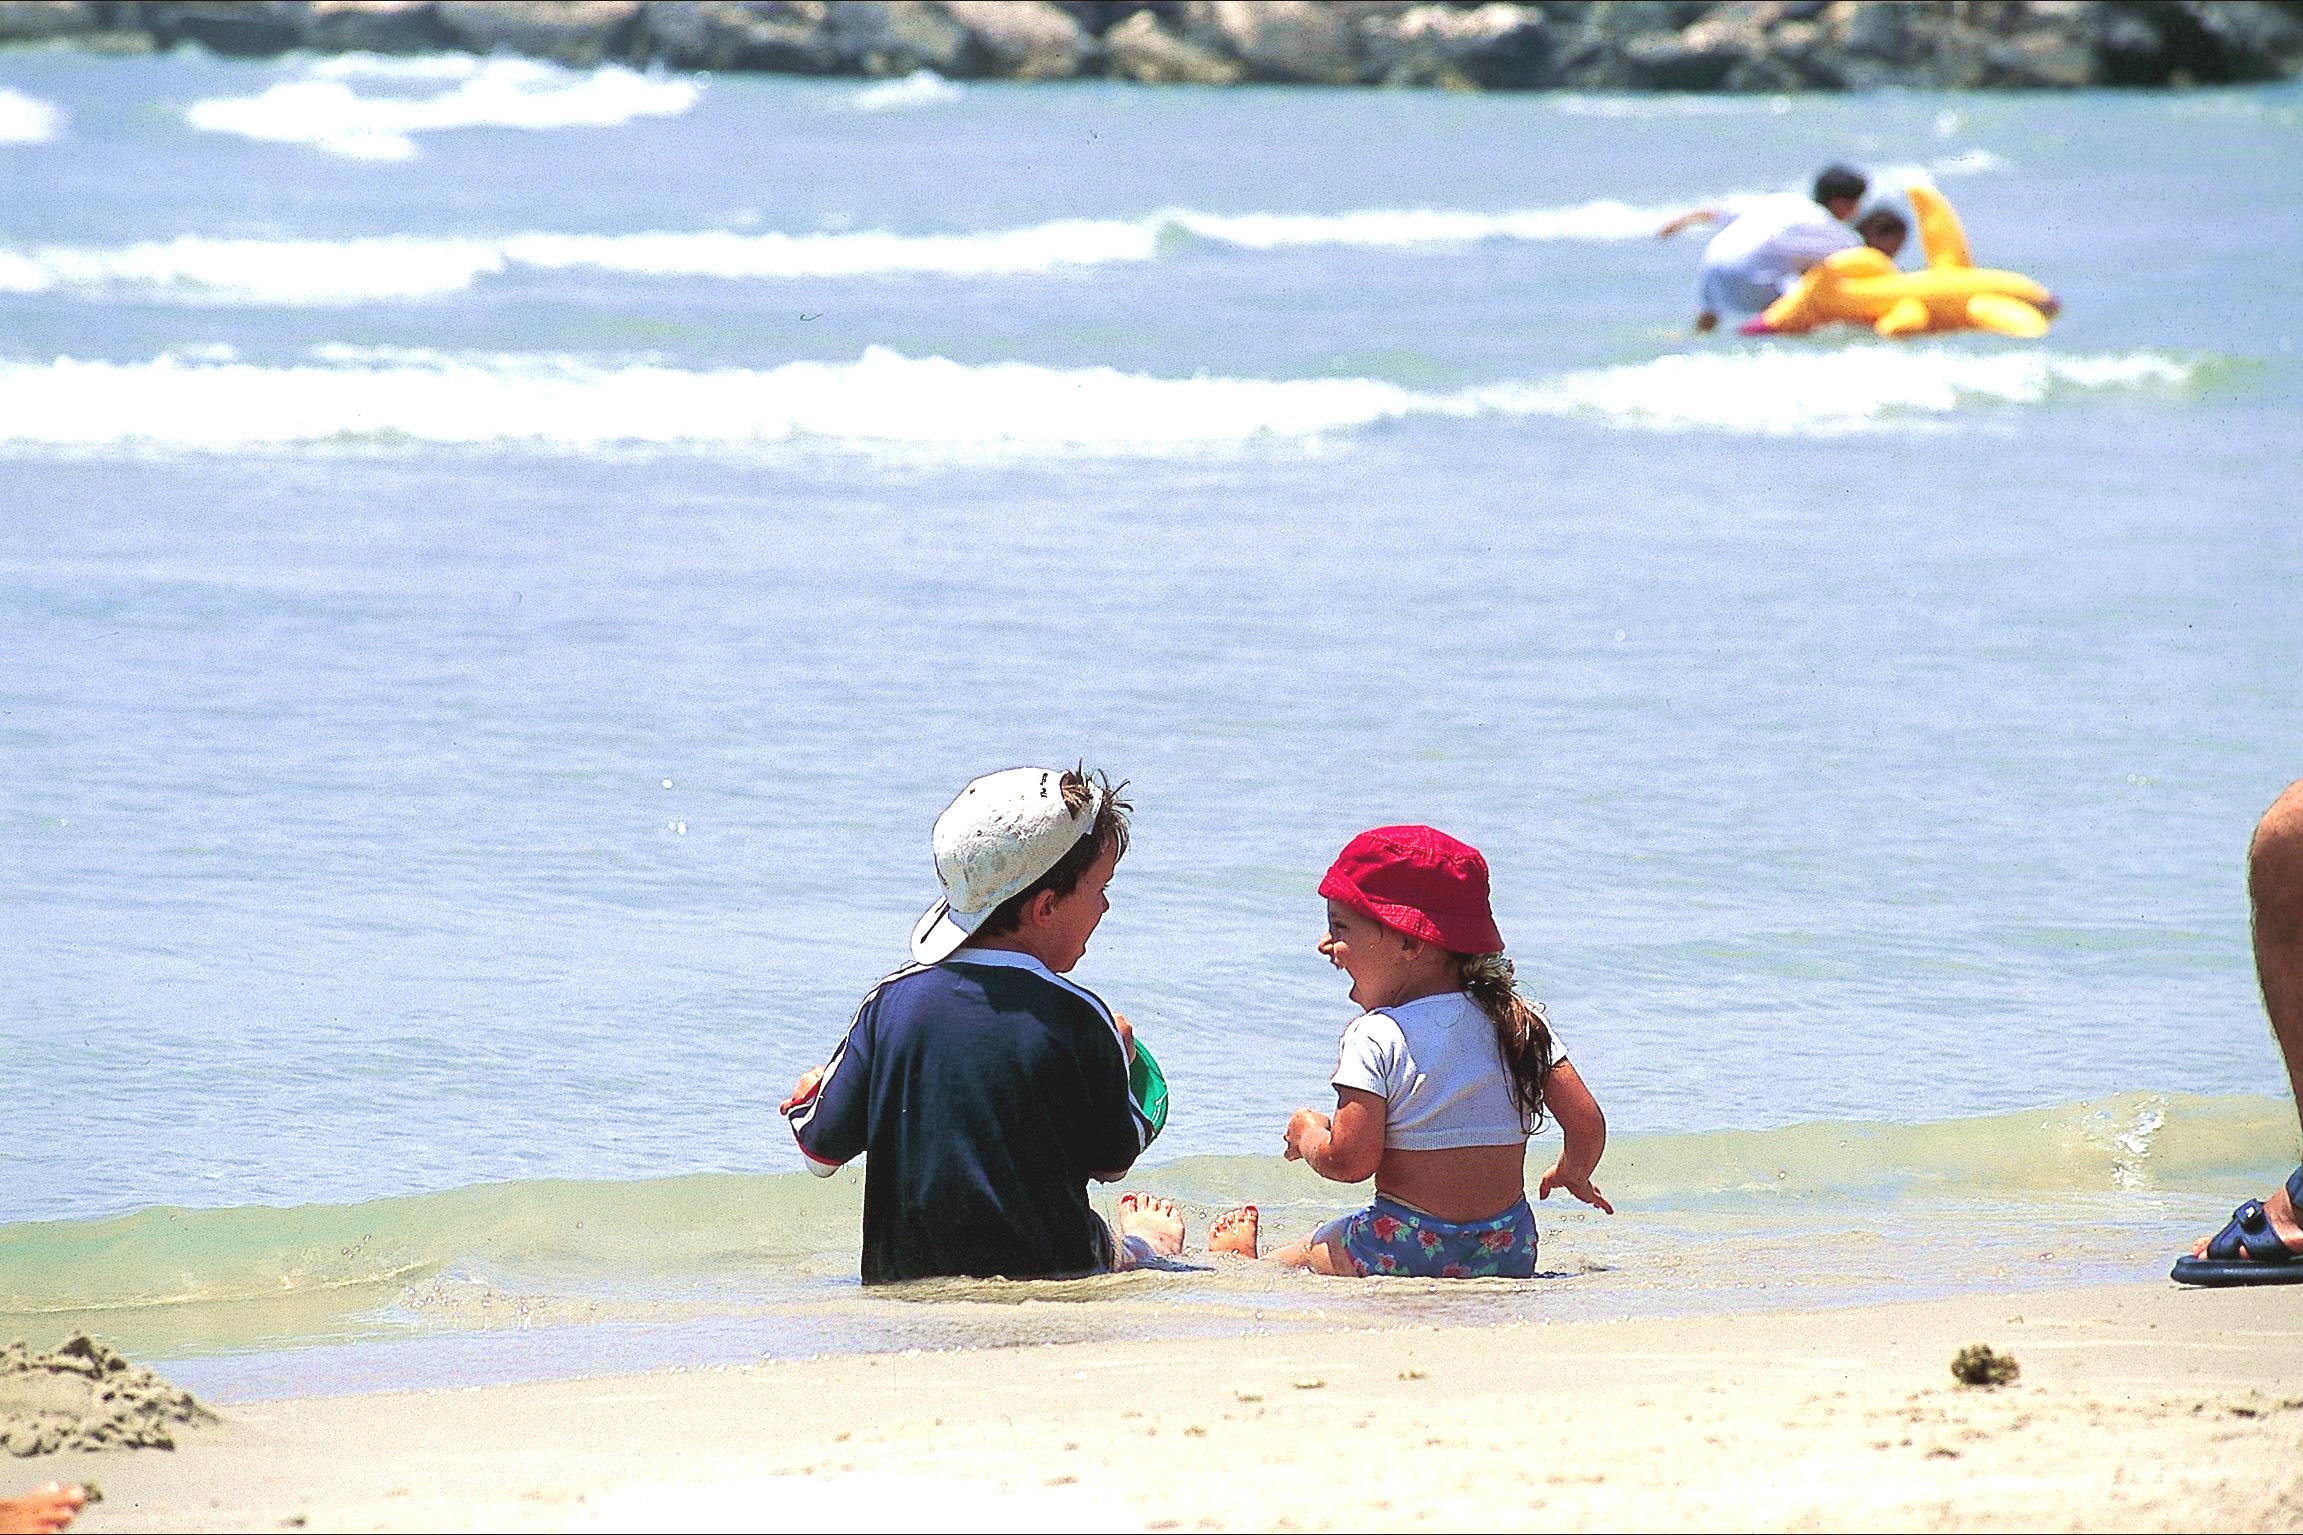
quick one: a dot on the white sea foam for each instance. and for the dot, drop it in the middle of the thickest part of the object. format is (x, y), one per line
(400, 267)
(920, 88)
(1971, 162)
(319, 108)
(561, 404)
(396, 66)
(27, 119)
(257, 271)
(1407, 227)
(1668, 104)
(1801, 389)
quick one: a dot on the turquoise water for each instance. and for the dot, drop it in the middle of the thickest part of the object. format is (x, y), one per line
(490, 611)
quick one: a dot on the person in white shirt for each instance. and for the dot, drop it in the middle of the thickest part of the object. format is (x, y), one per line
(1766, 242)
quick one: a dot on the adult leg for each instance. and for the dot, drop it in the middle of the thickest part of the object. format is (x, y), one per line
(2275, 890)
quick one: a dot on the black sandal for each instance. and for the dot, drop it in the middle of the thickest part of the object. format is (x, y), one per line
(2247, 1251)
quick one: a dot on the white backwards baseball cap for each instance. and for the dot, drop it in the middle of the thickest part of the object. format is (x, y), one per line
(1004, 831)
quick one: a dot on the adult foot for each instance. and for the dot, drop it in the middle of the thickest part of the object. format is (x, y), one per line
(1153, 1220)
(2279, 1209)
(1234, 1233)
(42, 1510)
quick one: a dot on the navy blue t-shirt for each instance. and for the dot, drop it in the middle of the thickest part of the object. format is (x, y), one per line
(983, 1093)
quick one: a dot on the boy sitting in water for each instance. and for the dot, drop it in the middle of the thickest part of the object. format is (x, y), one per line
(987, 1089)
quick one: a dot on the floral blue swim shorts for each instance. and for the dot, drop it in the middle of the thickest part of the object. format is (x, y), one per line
(1390, 1238)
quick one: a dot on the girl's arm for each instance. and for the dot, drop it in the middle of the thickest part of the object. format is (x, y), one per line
(1583, 1131)
(1346, 1149)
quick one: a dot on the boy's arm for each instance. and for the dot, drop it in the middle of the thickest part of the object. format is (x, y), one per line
(1583, 1133)
(1345, 1149)
(1125, 1139)
(829, 1109)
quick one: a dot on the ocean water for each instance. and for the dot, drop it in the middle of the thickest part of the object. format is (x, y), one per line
(500, 566)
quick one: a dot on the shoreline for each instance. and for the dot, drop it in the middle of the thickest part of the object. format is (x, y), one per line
(1784, 45)
(2139, 1405)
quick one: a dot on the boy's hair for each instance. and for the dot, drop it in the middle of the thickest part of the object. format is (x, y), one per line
(1109, 831)
(1522, 1032)
(1837, 182)
(1882, 223)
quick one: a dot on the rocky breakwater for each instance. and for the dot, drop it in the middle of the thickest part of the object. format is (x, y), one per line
(1739, 45)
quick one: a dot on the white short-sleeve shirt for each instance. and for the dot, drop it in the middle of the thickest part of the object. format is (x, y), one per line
(1762, 250)
(1437, 1067)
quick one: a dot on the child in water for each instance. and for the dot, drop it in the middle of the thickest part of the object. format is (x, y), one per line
(1440, 1080)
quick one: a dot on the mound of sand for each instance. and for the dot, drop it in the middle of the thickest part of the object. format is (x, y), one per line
(84, 1396)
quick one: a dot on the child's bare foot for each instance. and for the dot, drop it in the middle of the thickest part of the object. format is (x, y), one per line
(1234, 1233)
(1154, 1220)
(41, 1511)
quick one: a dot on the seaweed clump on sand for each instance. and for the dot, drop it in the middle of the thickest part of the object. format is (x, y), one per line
(85, 1396)
(1979, 1365)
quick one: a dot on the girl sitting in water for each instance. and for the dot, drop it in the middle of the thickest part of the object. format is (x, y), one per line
(1441, 1079)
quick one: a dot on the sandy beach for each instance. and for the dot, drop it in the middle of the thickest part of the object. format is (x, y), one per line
(2139, 1407)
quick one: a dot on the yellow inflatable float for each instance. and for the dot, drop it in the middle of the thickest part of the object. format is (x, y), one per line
(1865, 287)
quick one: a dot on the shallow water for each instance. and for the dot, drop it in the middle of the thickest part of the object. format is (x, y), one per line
(503, 566)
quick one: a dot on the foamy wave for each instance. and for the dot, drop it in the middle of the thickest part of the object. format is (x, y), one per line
(561, 404)
(1971, 162)
(27, 119)
(398, 267)
(920, 88)
(1668, 104)
(1812, 390)
(1408, 227)
(397, 66)
(258, 271)
(322, 110)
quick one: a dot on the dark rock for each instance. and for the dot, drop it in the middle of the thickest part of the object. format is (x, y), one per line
(38, 21)
(896, 37)
(374, 26)
(791, 37)
(1300, 42)
(582, 33)
(1881, 32)
(1693, 45)
(1028, 39)
(245, 31)
(1620, 21)
(1496, 46)
(1667, 61)
(2248, 41)
(2041, 60)
(2130, 49)
(1139, 48)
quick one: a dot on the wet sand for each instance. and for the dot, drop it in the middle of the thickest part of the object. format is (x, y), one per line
(2139, 1407)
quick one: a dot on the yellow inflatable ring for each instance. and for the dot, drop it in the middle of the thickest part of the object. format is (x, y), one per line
(1864, 287)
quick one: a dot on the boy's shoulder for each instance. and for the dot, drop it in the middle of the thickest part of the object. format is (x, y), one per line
(969, 980)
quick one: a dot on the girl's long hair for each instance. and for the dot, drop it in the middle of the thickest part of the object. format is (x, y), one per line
(1522, 1032)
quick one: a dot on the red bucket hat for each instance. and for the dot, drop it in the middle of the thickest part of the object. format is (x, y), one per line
(1421, 881)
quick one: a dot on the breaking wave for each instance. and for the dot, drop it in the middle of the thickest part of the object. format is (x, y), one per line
(727, 1222)
(27, 119)
(322, 109)
(883, 398)
(920, 88)
(351, 271)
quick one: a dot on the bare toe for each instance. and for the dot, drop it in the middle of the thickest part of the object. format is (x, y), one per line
(1154, 1220)
(1235, 1233)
